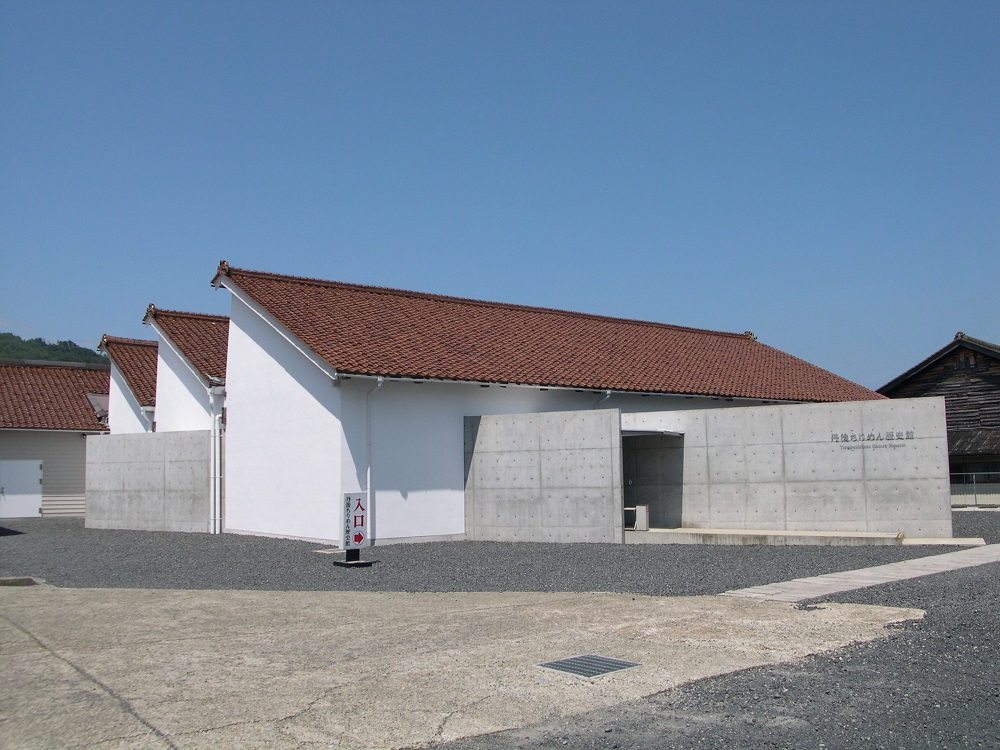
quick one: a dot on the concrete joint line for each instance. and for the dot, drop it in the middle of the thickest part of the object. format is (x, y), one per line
(126, 706)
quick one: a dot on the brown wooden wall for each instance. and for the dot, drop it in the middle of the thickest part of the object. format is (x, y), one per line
(970, 384)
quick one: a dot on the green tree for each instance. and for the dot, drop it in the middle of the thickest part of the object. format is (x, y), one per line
(13, 346)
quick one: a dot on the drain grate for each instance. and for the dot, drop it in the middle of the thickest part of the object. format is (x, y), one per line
(589, 665)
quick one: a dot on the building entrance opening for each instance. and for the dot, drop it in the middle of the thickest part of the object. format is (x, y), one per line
(653, 475)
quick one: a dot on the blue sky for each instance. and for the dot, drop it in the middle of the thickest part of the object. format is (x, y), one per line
(826, 174)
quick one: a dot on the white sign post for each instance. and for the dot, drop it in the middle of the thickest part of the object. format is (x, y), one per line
(357, 517)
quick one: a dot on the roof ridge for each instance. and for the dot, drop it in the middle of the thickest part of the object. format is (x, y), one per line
(225, 269)
(123, 340)
(152, 311)
(981, 342)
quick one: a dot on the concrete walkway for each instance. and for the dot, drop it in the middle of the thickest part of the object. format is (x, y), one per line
(801, 589)
(157, 669)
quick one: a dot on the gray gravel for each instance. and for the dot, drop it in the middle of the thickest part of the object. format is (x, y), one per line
(933, 684)
(65, 554)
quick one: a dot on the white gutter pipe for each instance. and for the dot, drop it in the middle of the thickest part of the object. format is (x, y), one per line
(368, 456)
(215, 492)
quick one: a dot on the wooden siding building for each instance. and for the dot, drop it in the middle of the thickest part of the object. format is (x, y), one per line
(967, 373)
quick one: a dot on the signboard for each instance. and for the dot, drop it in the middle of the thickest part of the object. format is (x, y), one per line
(860, 440)
(356, 517)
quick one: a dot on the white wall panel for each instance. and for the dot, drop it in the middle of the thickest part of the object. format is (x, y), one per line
(182, 400)
(124, 412)
(283, 437)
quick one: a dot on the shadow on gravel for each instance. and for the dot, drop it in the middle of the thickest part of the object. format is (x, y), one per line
(4, 531)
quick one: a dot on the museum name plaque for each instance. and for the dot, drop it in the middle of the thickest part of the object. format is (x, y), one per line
(855, 441)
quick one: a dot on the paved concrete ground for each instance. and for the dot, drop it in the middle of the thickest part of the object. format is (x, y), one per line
(267, 666)
(127, 668)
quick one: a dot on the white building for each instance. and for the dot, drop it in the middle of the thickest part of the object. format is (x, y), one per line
(132, 400)
(337, 388)
(190, 369)
(47, 409)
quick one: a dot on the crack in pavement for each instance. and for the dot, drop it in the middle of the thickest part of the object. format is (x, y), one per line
(124, 703)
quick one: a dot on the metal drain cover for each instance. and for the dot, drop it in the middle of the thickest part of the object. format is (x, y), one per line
(589, 665)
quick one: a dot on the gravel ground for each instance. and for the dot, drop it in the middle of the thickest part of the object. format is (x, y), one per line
(65, 554)
(932, 684)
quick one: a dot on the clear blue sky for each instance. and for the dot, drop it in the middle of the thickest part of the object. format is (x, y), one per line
(826, 174)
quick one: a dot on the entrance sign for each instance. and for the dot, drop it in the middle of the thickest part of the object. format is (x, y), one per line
(356, 518)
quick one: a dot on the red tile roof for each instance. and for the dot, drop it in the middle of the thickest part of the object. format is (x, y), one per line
(51, 395)
(374, 331)
(202, 339)
(136, 360)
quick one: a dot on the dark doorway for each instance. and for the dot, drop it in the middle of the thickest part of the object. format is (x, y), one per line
(653, 475)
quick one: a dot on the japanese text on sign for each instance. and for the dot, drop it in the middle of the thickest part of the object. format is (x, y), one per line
(852, 441)
(356, 514)
(871, 437)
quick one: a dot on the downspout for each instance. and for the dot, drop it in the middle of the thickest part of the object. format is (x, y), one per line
(147, 414)
(368, 456)
(215, 522)
(605, 397)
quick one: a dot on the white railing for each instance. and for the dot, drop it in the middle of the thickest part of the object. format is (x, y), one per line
(975, 488)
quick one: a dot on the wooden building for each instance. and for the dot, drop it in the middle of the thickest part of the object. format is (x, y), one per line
(967, 373)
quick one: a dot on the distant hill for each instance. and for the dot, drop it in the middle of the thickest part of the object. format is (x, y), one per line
(14, 347)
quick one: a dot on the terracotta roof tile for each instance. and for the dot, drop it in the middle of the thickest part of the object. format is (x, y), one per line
(374, 331)
(51, 395)
(203, 339)
(136, 360)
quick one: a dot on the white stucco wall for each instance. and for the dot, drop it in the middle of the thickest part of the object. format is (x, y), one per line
(124, 411)
(283, 437)
(295, 442)
(418, 458)
(182, 400)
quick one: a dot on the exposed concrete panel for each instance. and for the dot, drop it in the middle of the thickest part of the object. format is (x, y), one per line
(549, 477)
(152, 482)
(872, 466)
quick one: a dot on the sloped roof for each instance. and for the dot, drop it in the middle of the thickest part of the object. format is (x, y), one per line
(984, 441)
(367, 330)
(202, 339)
(960, 340)
(51, 395)
(136, 360)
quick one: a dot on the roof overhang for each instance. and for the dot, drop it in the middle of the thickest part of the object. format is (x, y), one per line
(960, 341)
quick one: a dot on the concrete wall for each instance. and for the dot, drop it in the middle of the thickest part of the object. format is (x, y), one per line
(553, 477)
(823, 467)
(182, 400)
(153, 482)
(124, 412)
